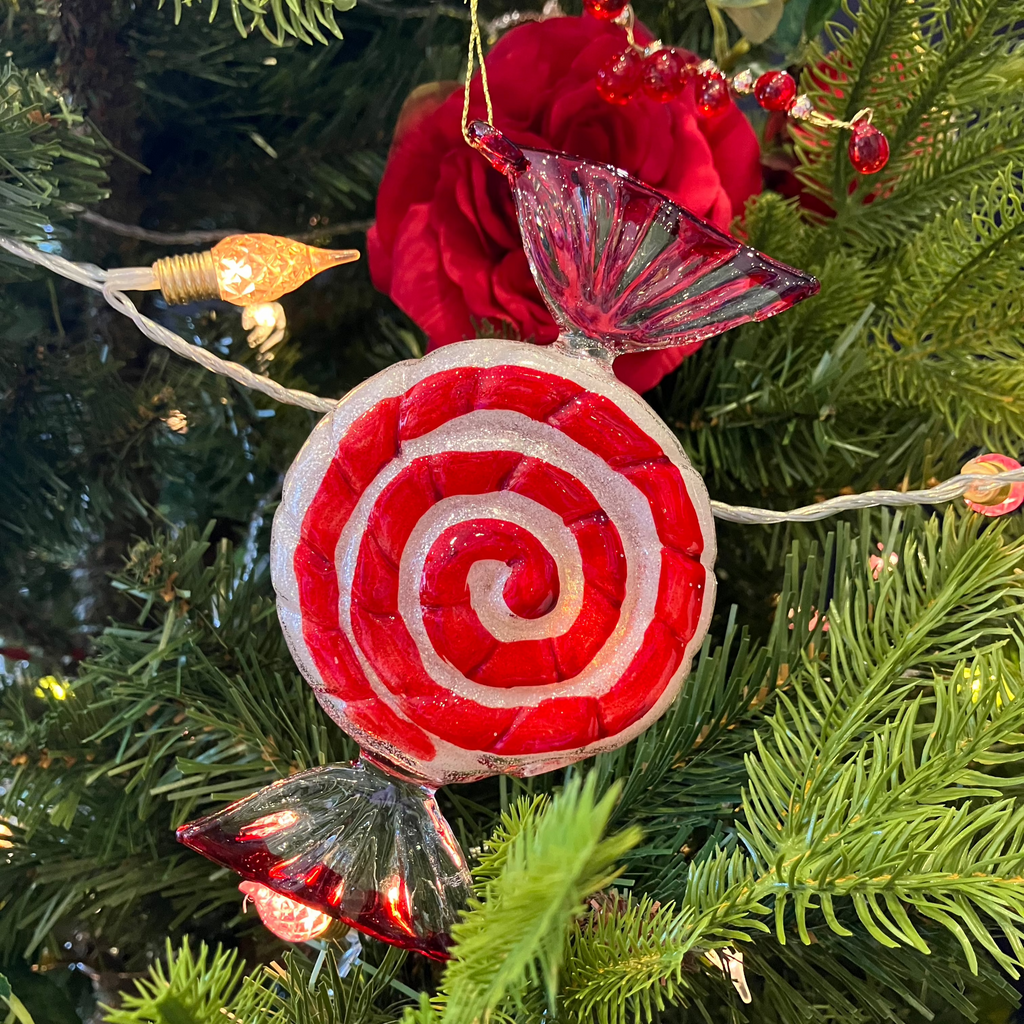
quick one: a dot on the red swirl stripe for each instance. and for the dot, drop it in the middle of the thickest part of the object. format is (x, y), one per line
(426, 709)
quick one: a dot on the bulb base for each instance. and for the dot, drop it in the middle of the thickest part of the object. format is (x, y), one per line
(190, 277)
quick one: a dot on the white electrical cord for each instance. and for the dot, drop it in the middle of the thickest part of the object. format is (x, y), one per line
(111, 282)
(954, 487)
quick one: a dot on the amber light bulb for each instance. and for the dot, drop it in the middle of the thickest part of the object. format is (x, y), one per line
(288, 919)
(245, 269)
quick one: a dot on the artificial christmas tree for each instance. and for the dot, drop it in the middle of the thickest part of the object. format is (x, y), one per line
(831, 801)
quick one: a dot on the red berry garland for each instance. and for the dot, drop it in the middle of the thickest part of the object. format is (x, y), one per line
(712, 95)
(666, 73)
(662, 73)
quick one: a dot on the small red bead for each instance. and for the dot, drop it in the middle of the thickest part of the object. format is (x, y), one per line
(712, 95)
(775, 90)
(687, 72)
(663, 75)
(605, 10)
(621, 77)
(869, 148)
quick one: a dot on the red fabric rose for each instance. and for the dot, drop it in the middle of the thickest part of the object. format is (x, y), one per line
(446, 244)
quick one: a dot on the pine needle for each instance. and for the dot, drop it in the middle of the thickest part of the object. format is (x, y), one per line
(541, 867)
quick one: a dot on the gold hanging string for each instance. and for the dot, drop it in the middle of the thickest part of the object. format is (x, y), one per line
(476, 52)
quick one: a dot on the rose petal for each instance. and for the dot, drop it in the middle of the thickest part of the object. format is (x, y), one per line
(421, 103)
(420, 286)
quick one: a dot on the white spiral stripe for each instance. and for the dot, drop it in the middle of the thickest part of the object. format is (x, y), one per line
(487, 578)
(626, 507)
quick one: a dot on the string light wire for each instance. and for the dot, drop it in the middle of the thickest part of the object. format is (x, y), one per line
(110, 284)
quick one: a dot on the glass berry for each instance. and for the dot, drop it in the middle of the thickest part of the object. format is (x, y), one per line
(869, 148)
(621, 77)
(712, 95)
(775, 90)
(605, 10)
(663, 74)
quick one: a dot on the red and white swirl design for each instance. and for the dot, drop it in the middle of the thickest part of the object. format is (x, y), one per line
(493, 559)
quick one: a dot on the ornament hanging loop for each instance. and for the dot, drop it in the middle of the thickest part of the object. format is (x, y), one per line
(502, 153)
(476, 52)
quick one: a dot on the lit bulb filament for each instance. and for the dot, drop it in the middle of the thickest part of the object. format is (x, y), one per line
(396, 901)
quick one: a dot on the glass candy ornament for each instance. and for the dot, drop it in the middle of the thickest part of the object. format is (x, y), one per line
(496, 558)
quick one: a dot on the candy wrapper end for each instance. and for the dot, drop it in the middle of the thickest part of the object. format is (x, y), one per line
(350, 841)
(621, 266)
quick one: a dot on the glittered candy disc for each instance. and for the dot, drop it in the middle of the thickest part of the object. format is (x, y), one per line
(493, 559)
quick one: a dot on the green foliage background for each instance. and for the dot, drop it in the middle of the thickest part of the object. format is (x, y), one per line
(836, 792)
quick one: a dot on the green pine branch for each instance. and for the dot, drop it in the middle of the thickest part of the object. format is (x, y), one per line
(853, 701)
(540, 869)
(140, 744)
(683, 778)
(922, 68)
(946, 279)
(881, 786)
(192, 987)
(969, 150)
(47, 159)
(205, 986)
(956, 279)
(276, 21)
